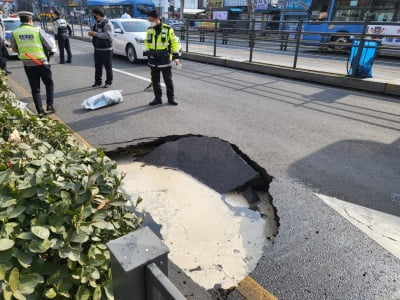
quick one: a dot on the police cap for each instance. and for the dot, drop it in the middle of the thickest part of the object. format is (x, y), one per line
(24, 14)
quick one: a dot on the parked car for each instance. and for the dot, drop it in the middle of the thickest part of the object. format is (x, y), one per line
(129, 35)
(175, 24)
(11, 24)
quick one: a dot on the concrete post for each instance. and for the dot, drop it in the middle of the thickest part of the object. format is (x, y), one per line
(129, 256)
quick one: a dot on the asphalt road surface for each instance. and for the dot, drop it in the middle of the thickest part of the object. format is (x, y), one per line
(310, 138)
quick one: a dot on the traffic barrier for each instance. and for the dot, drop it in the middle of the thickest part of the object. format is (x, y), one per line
(139, 263)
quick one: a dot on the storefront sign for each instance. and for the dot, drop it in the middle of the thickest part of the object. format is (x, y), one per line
(220, 15)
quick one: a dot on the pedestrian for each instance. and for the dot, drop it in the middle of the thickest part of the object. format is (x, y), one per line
(161, 46)
(32, 45)
(3, 46)
(126, 15)
(62, 32)
(102, 33)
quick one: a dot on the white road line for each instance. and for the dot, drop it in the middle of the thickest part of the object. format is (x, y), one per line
(381, 227)
(132, 75)
(136, 76)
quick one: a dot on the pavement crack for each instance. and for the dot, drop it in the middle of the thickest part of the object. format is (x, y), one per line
(390, 238)
(152, 138)
(357, 220)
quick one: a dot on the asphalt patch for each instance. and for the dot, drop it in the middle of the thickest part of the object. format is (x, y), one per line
(210, 160)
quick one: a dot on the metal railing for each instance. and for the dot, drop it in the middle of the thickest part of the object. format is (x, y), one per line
(261, 38)
(139, 264)
(263, 41)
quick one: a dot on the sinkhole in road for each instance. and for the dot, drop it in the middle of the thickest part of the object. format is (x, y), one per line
(207, 201)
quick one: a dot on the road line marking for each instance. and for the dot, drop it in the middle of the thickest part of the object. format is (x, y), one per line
(383, 228)
(136, 76)
(25, 93)
(132, 75)
(252, 290)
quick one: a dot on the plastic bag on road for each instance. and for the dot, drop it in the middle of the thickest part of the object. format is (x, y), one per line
(104, 99)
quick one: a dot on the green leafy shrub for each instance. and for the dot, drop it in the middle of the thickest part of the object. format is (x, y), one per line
(59, 206)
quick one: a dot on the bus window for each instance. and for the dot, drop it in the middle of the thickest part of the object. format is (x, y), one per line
(319, 10)
(323, 16)
(144, 8)
(314, 15)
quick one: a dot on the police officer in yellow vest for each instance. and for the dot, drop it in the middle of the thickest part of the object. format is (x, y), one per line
(161, 46)
(32, 45)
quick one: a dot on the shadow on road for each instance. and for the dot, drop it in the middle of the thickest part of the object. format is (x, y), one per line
(358, 171)
(72, 92)
(326, 100)
(101, 120)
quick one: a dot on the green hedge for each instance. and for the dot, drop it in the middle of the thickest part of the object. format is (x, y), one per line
(59, 206)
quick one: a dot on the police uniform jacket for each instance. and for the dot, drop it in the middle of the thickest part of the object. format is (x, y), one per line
(103, 39)
(61, 28)
(33, 40)
(161, 45)
(2, 30)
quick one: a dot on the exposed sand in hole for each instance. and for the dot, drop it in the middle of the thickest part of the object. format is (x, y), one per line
(214, 238)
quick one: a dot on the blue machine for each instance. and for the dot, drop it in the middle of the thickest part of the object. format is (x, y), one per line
(362, 68)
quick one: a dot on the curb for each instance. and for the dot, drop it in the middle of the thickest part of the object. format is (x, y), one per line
(14, 85)
(337, 80)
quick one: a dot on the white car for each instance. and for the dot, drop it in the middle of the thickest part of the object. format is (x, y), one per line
(11, 24)
(128, 38)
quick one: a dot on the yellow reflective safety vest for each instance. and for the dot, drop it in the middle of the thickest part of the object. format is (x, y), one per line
(27, 38)
(162, 46)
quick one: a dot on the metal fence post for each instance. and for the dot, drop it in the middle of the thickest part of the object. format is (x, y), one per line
(252, 39)
(356, 61)
(187, 35)
(215, 37)
(130, 255)
(81, 25)
(298, 37)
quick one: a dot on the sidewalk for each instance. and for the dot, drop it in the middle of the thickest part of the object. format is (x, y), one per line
(382, 86)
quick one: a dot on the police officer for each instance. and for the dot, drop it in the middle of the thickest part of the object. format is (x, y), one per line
(32, 45)
(102, 34)
(161, 46)
(62, 32)
(3, 46)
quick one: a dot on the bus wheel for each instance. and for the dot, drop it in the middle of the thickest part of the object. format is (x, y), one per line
(340, 40)
(131, 54)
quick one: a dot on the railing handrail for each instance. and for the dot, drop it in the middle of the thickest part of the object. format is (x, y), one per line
(156, 279)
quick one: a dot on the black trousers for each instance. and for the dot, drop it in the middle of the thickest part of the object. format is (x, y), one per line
(63, 44)
(34, 75)
(103, 58)
(3, 58)
(155, 80)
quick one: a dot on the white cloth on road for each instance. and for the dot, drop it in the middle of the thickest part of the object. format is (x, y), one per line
(104, 99)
